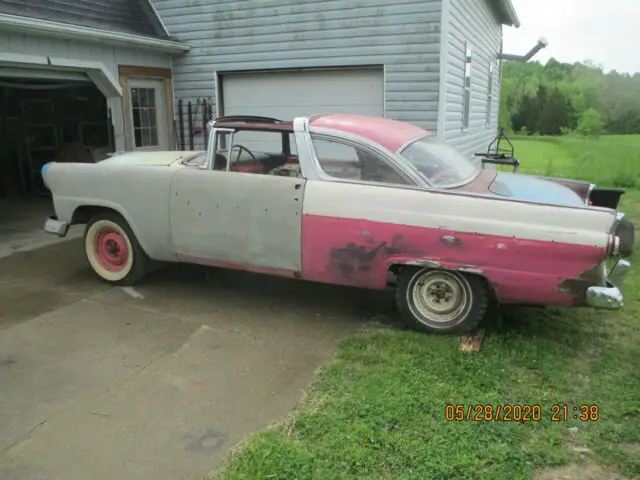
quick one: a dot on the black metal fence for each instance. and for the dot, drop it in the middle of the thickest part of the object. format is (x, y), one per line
(191, 124)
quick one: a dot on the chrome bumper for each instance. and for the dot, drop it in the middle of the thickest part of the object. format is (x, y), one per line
(610, 297)
(56, 227)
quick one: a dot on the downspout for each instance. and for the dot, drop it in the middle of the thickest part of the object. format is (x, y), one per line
(542, 43)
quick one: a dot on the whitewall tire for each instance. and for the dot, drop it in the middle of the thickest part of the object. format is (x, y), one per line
(113, 250)
(441, 301)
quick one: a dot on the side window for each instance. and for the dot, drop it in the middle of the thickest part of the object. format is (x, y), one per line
(342, 160)
(222, 139)
(489, 95)
(466, 111)
(256, 151)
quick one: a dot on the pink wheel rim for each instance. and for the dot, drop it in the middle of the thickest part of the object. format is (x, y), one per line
(111, 249)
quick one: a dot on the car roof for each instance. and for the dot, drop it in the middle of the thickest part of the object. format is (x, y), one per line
(251, 122)
(391, 134)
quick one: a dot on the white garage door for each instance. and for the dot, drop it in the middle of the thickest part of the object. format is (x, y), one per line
(286, 95)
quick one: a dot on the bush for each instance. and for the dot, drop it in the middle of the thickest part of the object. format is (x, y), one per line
(590, 123)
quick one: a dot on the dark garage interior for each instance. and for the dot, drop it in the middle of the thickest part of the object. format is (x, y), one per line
(43, 120)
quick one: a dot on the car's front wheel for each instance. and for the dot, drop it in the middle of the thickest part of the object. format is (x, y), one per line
(113, 250)
(441, 301)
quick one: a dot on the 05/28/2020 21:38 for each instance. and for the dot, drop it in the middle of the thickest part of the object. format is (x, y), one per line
(521, 413)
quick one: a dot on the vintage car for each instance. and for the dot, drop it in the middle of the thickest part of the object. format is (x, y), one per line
(350, 200)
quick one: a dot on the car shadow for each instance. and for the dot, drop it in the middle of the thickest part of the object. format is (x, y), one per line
(275, 292)
(556, 325)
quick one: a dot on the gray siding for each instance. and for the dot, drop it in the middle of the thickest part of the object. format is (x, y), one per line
(236, 35)
(127, 16)
(111, 57)
(476, 22)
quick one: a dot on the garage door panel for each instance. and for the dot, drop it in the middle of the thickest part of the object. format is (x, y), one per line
(293, 94)
(286, 95)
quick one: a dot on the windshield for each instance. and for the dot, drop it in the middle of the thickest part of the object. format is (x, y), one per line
(197, 160)
(442, 164)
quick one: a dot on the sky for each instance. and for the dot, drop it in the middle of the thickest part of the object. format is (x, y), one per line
(606, 32)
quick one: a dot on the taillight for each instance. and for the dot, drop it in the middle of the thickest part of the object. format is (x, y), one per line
(613, 246)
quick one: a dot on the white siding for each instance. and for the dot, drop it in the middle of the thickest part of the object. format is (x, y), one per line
(475, 22)
(112, 57)
(236, 35)
(94, 52)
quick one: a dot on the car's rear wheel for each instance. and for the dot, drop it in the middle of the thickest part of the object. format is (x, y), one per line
(113, 250)
(441, 301)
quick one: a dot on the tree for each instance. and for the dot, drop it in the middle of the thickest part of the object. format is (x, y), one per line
(590, 123)
(560, 97)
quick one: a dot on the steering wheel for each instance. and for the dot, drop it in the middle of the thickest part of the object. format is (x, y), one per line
(242, 147)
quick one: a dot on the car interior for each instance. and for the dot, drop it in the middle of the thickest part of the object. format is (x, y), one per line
(261, 152)
(275, 153)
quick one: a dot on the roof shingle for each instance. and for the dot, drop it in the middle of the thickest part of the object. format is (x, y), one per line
(134, 17)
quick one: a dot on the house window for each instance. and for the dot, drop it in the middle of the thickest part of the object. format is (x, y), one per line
(466, 106)
(145, 120)
(489, 95)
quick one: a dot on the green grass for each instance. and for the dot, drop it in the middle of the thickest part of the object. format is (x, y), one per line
(377, 411)
(612, 160)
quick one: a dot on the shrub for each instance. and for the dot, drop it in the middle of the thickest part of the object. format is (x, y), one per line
(590, 123)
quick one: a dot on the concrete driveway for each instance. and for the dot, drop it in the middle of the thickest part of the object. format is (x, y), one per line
(156, 382)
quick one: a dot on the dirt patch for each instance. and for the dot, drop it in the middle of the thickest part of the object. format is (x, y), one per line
(632, 449)
(577, 471)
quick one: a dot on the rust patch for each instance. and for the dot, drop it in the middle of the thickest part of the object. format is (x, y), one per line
(471, 342)
(451, 240)
(576, 288)
(358, 258)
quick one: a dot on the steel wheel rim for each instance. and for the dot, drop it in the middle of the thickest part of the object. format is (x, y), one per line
(109, 250)
(439, 297)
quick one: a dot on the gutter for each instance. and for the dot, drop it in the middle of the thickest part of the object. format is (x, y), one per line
(36, 26)
(542, 43)
(511, 13)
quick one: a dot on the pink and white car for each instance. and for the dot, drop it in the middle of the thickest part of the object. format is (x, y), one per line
(350, 200)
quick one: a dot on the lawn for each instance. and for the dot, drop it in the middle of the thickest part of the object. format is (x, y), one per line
(377, 411)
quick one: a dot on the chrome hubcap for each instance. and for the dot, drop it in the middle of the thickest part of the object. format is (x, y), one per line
(439, 296)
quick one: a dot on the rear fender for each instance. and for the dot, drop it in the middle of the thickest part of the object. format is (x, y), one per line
(581, 188)
(590, 193)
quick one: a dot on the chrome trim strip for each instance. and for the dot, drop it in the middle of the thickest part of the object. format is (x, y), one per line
(208, 163)
(228, 168)
(592, 186)
(413, 140)
(616, 222)
(619, 272)
(56, 227)
(610, 297)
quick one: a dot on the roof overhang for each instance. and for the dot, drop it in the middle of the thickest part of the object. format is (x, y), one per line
(510, 17)
(97, 72)
(36, 26)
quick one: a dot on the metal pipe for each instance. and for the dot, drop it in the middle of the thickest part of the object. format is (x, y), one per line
(542, 43)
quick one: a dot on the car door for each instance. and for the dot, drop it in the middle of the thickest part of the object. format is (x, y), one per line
(237, 219)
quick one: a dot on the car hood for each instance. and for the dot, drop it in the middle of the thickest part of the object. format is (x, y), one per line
(524, 187)
(147, 158)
